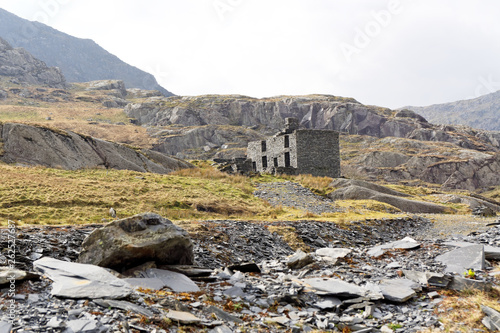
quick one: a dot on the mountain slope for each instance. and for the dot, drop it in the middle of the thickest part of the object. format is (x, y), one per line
(80, 60)
(482, 112)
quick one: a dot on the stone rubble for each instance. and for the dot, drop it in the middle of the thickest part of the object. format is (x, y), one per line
(251, 287)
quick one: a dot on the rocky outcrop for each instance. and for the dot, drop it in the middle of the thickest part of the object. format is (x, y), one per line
(267, 115)
(31, 145)
(112, 86)
(23, 68)
(398, 159)
(354, 192)
(205, 141)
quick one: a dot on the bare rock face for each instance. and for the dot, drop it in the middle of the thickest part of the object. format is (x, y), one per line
(31, 145)
(135, 240)
(353, 192)
(23, 68)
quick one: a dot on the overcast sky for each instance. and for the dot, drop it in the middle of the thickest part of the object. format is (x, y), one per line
(382, 52)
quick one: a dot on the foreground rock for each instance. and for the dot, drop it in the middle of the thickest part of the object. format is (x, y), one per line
(355, 292)
(32, 145)
(74, 280)
(135, 240)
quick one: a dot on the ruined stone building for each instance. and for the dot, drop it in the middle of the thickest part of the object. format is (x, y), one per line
(297, 151)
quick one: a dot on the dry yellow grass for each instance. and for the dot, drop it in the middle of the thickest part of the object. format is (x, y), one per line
(85, 117)
(50, 196)
(462, 312)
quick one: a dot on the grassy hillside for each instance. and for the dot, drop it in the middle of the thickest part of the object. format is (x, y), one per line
(52, 196)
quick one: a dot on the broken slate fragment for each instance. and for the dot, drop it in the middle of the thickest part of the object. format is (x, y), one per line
(398, 290)
(333, 253)
(124, 305)
(490, 252)
(146, 283)
(335, 287)
(299, 259)
(460, 283)
(462, 259)
(5, 327)
(493, 316)
(328, 303)
(178, 282)
(82, 326)
(74, 280)
(406, 243)
(223, 315)
(6, 275)
(183, 317)
(428, 278)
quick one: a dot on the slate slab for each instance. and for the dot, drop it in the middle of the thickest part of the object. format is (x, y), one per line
(428, 278)
(5, 327)
(223, 315)
(399, 290)
(178, 282)
(460, 283)
(6, 274)
(493, 316)
(73, 280)
(406, 243)
(183, 317)
(124, 305)
(188, 270)
(335, 287)
(334, 253)
(462, 259)
(82, 326)
(490, 252)
(328, 303)
(145, 283)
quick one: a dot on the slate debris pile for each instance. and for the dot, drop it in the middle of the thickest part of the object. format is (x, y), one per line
(341, 286)
(291, 194)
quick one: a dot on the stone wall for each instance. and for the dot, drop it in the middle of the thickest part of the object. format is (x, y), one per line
(318, 152)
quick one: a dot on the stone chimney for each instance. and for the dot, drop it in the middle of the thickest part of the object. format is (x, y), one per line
(291, 124)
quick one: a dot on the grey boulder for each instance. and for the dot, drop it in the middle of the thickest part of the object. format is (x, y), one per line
(134, 240)
(299, 259)
(73, 280)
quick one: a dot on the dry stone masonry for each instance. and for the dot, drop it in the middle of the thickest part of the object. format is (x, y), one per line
(297, 151)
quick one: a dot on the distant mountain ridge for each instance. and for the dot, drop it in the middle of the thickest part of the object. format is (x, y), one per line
(80, 60)
(482, 112)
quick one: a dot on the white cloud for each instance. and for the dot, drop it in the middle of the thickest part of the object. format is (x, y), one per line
(426, 52)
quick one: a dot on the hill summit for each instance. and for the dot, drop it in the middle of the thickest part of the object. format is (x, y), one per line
(80, 60)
